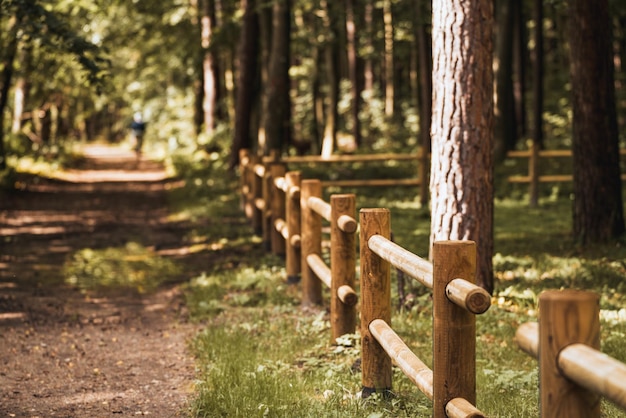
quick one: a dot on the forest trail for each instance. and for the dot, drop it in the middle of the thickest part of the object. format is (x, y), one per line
(70, 353)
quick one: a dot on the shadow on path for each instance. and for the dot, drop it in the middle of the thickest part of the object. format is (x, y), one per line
(64, 352)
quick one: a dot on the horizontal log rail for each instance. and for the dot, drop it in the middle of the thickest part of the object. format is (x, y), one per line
(534, 177)
(371, 183)
(352, 158)
(463, 293)
(420, 158)
(345, 222)
(403, 357)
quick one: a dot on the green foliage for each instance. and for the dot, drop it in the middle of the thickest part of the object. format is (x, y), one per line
(132, 267)
(41, 25)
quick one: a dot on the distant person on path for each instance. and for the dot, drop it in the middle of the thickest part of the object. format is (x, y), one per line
(138, 128)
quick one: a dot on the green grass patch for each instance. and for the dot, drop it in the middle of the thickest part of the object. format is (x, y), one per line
(131, 267)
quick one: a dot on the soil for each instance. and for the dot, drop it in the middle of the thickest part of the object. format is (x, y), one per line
(66, 352)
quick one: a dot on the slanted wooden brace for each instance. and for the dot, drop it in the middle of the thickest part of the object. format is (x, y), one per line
(573, 373)
(452, 383)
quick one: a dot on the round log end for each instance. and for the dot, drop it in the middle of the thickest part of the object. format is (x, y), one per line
(347, 295)
(296, 240)
(478, 301)
(347, 224)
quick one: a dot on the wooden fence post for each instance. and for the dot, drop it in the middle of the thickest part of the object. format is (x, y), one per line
(454, 328)
(422, 175)
(268, 189)
(293, 213)
(257, 196)
(342, 265)
(533, 174)
(311, 242)
(267, 209)
(566, 317)
(244, 160)
(277, 207)
(375, 302)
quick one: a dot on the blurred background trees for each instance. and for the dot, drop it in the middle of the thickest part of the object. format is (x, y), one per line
(357, 73)
(299, 75)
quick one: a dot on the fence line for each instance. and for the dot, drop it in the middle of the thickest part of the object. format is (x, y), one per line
(534, 176)
(289, 211)
(420, 157)
(573, 373)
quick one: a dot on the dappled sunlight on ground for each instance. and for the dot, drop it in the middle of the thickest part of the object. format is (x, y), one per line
(72, 351)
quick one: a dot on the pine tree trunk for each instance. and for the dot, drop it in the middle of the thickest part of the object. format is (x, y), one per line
(332, 78)
(277, 110)
(246, 94)
(355, 91)
(598, 209)
(505, 123)
(461, 181)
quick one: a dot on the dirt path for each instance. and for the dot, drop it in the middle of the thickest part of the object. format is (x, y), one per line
(64, 353)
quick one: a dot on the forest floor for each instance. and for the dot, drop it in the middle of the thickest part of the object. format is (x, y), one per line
(66, 352)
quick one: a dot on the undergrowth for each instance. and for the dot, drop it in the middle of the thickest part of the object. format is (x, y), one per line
(261, 354)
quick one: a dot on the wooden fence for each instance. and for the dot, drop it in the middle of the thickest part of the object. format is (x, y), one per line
(288, 211)
(535, 177)
(421, 158)
(451, 385)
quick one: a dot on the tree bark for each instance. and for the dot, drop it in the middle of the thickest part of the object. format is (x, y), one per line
(209, 83)
(355, 91)
(389, 62)
(248, 48)
(598, 208)
(425, 86)
(505, 123)
(8, 60)
(462, 128)
(538, 65)
(332, 78)
(277, 110)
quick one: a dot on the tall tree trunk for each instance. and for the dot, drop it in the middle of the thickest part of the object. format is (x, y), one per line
(505, 124)
(20, 93)
(389, 64)
(461, 181)
(246, 94)
(332, 78)
(538, 66)
(519, 67)
(209, 78)
(277, 114)
(355, 90)
(21, 89)
(598, 209)
(265, 52)
(425, 88)
(8, 59)
(368, 71)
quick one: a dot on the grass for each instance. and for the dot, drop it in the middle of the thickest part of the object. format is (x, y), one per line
(260, 354)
